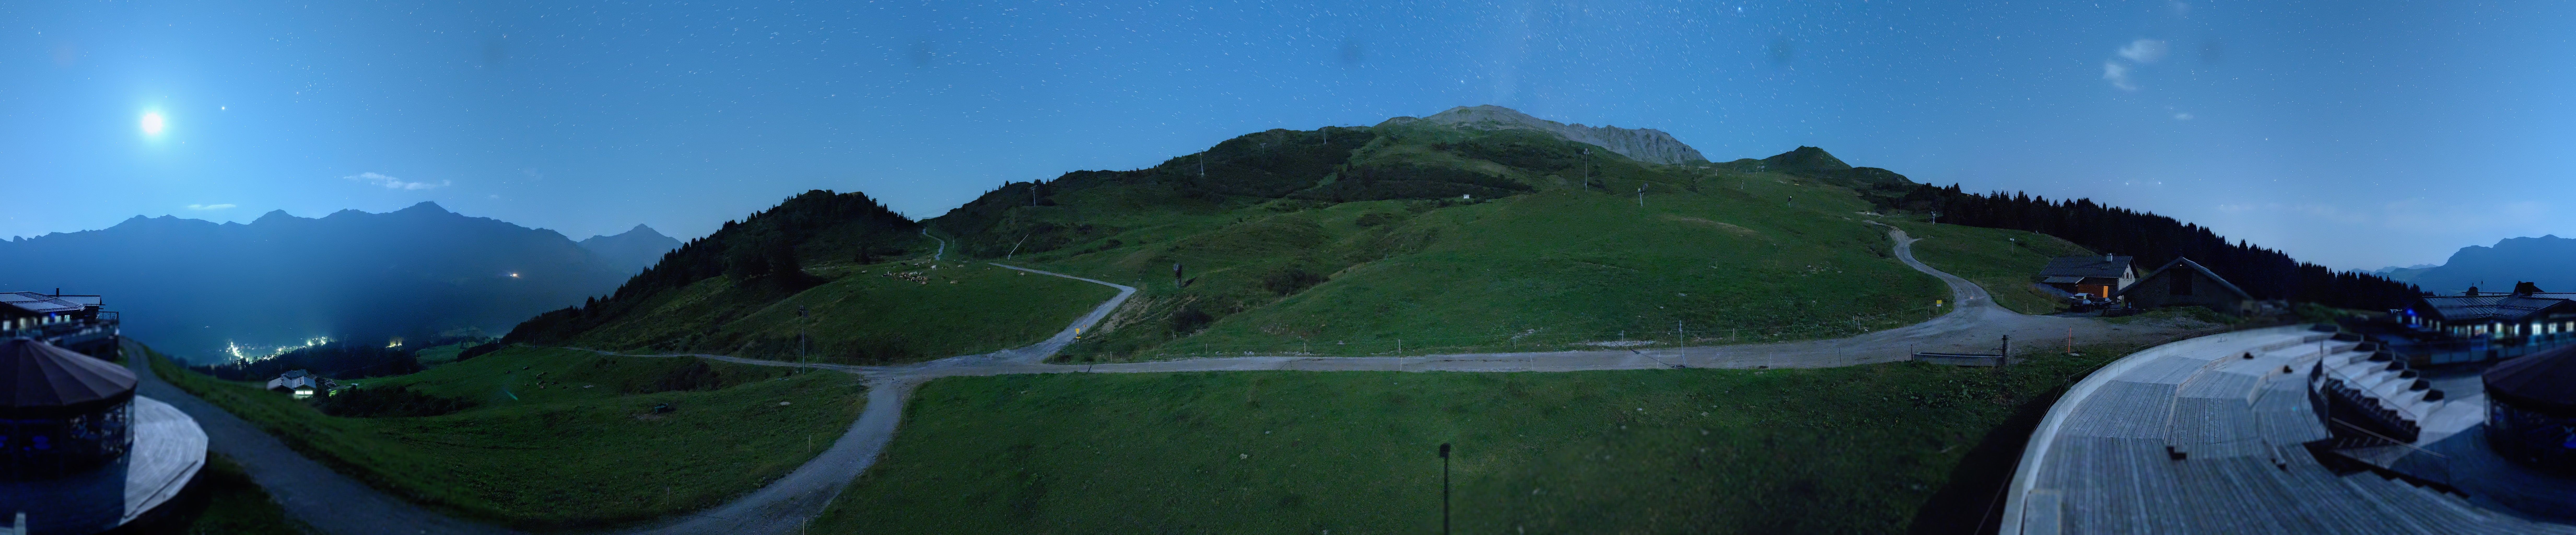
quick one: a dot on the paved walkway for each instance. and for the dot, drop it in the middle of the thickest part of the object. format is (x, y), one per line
(2206, 436)
(783, 506)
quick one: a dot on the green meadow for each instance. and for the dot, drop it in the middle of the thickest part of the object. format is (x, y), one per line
(1857, 449)
(559, 438)
(1762, 258)
(866, 314)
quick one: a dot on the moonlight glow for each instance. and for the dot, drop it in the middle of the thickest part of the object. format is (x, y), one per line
(152, 123)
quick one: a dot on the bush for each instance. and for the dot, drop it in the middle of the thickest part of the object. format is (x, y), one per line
(1290, 280)
(396, 402)
(478, 351)
(1190, 319)
(695, 376)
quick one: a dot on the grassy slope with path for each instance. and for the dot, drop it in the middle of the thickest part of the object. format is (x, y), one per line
(540, 451)
(1713, 248)
(1855, 449)
(861, 317)
(2005, 262)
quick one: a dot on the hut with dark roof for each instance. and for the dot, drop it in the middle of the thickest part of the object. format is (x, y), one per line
(2531, 409)
(64, 412)
(2095, 276)
(2183, 282)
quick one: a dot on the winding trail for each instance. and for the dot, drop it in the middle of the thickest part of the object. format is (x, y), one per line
(785, 505)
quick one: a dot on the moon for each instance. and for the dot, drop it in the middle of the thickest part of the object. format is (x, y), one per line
(152, 123)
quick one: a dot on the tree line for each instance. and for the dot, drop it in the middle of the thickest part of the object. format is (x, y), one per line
(768, 249)
(2156, 240)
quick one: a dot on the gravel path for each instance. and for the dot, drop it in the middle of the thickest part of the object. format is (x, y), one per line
(782, 507)
(1974, 324)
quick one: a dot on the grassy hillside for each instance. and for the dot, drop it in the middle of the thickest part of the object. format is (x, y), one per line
(861, 274)
(1839, 450)
(1437, 239)
(561, 438)
(2005, 262)
(867, 314)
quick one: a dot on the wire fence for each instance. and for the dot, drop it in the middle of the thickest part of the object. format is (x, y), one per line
(1535, 339)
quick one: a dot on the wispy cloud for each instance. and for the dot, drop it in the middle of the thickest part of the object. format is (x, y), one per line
(2118, 75)
(209, 206)
(395, 183)
(2144, 50)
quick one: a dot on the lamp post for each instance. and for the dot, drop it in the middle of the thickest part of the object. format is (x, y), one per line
(1444, 488)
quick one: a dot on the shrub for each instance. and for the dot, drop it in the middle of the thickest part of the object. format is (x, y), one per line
(397, 402)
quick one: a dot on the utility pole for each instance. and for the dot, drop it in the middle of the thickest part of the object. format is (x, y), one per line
(801, 320)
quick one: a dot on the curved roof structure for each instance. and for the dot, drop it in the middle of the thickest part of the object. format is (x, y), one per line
(2208, 435)
(2544, 381)
(42, 380)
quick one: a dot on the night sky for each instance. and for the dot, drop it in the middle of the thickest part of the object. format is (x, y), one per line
(2355, 134)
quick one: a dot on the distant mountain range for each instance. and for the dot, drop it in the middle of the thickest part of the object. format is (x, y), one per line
(196, 287)
(2543, 261)
(633, 250)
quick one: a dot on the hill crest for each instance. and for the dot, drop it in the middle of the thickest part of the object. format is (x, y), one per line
(1641, 144)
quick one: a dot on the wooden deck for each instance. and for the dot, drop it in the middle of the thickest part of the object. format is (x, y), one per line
(2193, 437)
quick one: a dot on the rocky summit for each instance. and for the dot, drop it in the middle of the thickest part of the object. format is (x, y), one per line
(1641, 144)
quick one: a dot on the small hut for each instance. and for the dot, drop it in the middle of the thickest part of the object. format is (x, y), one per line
(2183, 282)
(2096, 277)
(64, 412)
(2531, 409)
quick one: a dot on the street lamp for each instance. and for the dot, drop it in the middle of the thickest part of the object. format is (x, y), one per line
(1444, 488)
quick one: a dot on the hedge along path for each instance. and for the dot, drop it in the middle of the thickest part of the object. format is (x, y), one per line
(1975, 323)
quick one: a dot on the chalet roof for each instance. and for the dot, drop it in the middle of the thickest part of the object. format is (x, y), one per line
(2544, 381)
(2087, 266)
(43, 303)
(2501, 307)
(2181, 265)
(2062, 279)
(42, 380)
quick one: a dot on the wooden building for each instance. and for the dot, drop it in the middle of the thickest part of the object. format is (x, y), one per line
(2183, 282)
(2098, 277)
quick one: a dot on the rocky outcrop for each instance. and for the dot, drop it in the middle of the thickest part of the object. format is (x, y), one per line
(1641, 144)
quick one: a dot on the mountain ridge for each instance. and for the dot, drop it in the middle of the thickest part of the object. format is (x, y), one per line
(2497, 267)
(1641, 144)
(196, 287)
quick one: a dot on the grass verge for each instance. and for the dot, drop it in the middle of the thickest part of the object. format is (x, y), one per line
(561, 438)
(1855, 449)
